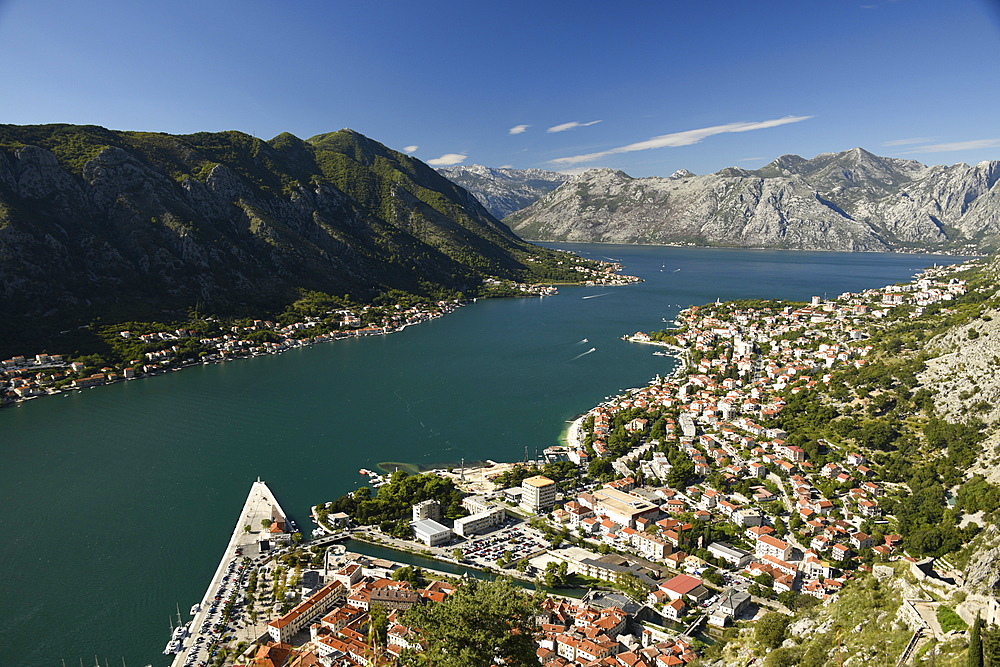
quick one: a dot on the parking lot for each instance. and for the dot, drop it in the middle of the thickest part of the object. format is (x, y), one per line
(223, 616)
(510, 543)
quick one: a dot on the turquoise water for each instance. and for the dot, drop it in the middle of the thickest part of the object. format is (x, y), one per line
(118, 501)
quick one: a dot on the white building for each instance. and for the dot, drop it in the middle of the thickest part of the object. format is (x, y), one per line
(538, 494)
(730, 554)
(481, 522)
(430, 532)
(772, 546)
(428, 509)
(284, 628)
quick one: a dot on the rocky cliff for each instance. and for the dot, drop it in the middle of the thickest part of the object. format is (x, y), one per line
(504, 191)
(130, 225)
(852, 200)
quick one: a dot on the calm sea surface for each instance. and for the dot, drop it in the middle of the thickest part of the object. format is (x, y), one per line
(118, 501)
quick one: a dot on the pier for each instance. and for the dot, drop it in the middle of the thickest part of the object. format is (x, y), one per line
(260, 507)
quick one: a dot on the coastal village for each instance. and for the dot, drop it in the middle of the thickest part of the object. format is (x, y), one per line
(44, 374)
(690, 519)
(28, 377)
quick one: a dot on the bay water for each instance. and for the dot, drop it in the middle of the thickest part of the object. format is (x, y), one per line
(118, 501)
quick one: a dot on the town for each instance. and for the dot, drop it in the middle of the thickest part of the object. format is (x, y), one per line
(677, 510)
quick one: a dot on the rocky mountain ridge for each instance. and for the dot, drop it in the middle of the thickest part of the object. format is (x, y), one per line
(852, 200)
(116, 225)
(504, 191)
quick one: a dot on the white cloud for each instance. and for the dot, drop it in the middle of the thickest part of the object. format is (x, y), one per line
(956, 146)
(907, 142)
(518, 129)
(751, 159)
(562, 127)
(685, 138)
(410, 149)
(448, 159)
(506, 166)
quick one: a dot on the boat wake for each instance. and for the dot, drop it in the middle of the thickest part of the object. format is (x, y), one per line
(582, 341)
(583, 354)
(594, 296)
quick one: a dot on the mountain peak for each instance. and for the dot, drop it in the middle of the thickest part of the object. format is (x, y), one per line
(234, 224)
(849, 200)
(788, 162)
(504, 190)
(603, 173)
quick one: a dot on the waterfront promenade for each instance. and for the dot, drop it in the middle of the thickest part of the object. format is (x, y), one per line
(260, 507)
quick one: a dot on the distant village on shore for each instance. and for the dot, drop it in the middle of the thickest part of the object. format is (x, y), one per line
(24, 378)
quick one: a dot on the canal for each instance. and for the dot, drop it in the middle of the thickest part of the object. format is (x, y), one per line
(423, 562)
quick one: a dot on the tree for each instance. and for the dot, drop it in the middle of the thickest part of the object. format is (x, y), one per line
(632, 586)
(764, 579)
(411, 574)
(713, 576)
(770, 630)
(991, 645)
(974, 658)
(784, 657)
(265, 523)
(378, 625)
(483, 621)
(556, 575)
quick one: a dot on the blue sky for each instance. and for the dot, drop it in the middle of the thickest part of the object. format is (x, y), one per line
(648, 87)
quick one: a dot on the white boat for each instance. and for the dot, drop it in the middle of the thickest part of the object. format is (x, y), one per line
(195, 608)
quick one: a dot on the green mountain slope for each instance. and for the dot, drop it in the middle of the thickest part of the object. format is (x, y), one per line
(96, 223)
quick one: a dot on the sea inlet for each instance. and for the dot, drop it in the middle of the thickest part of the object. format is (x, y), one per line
(118, 501)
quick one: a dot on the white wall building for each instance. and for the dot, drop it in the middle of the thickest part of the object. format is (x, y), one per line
(481, 522)
(538, 494)
(430, 532)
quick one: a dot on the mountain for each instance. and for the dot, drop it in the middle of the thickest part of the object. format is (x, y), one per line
(504, 191)
(96, 223)
(852, 200)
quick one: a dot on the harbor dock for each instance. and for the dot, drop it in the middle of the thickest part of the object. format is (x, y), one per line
(251, 539)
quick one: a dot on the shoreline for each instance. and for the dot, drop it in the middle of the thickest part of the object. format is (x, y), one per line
(286, 346)
(901, 251)
(571, 436)
(611, 278)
